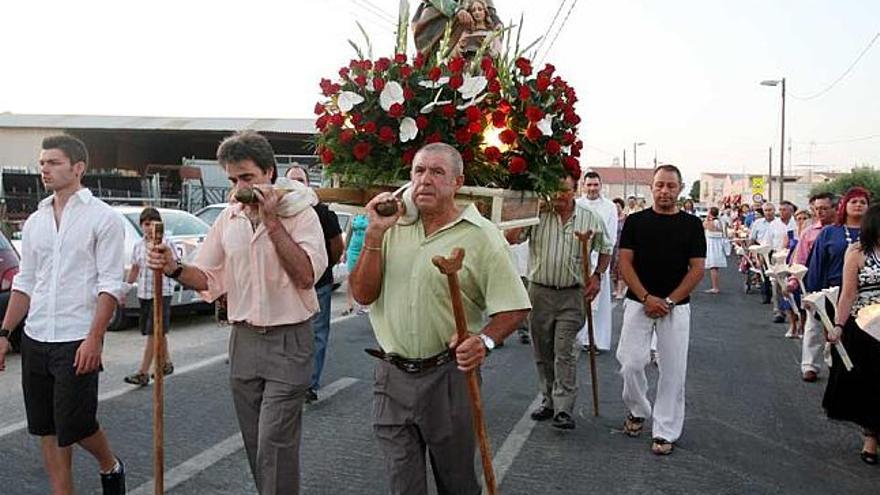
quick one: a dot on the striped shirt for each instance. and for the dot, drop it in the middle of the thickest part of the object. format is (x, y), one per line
(145, 275)
(555, 252)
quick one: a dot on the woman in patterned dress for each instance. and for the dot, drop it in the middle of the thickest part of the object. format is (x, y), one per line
(855, 395)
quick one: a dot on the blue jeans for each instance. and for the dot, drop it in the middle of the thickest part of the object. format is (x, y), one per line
(321, 324)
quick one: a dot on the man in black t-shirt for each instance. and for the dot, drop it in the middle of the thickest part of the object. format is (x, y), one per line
(324, 286)
(662, 255)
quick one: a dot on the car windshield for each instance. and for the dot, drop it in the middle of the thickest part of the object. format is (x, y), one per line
(4, 243)
(177, 223)
(209, 215)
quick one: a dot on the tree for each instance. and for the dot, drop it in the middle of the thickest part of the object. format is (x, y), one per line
(695, 191)
(864, 177)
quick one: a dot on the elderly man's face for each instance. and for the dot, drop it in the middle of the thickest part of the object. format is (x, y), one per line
(785, 212)
(434, 182)
(769, 211)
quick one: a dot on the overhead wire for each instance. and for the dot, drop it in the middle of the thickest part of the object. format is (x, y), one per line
(379, 15)
(550, 26)
(561, 26)
(842, 76)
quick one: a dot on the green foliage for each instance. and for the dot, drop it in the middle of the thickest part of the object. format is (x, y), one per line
(695, 191)
(864, 177)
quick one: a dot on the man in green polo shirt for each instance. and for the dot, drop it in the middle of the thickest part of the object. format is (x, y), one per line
(558, 294)
(421, 400)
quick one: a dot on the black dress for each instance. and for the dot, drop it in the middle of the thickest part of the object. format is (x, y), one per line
(855, 395)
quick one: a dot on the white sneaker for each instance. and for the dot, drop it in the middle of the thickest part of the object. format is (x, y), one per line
(789, 335)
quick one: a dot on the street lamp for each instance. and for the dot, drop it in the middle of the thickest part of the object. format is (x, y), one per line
(773, 82)
(635, 164)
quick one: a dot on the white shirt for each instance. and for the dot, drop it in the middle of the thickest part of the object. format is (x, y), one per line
(64, 269)
(780, 232)
(606, 209)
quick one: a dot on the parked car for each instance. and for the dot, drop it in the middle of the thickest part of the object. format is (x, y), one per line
(186, 232)
(9, 260)
(210, 213)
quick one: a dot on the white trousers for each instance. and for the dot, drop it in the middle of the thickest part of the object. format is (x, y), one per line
(601, 317)
(813, 344)
(634, 354)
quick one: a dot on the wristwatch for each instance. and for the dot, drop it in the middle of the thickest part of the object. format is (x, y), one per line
(488, 342)
(177, 271)
(670, 303)
(4, 333)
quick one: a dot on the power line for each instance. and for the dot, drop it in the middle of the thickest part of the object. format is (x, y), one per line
(380, 9)
(550, 27)
(842, 76)
(561, 26)
(377, 14)
(840, 141)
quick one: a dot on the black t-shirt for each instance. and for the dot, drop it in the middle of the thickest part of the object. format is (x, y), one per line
(662, 247)
(330, 226)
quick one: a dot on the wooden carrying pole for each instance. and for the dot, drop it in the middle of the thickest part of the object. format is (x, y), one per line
(450, 267)
(585, 237)
(158, 374)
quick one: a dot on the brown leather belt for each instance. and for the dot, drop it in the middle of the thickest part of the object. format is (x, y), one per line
(413, 365)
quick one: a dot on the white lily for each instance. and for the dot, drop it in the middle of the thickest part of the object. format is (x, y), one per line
(472, 102)
(430, 106)
(408, 129)
(392, 93)
(472, 86)
(545, 125)
(434, 84)
(347, 100)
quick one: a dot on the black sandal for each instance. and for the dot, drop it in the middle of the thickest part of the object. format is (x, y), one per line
(632, 427)
(661, 446)
(868, 458)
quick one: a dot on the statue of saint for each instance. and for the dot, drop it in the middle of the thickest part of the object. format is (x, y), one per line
(429, 22)
(472, 39)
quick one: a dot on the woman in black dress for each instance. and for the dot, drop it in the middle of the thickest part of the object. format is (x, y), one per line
(855, 395)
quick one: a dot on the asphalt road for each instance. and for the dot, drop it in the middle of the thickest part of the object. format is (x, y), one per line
(752, 425)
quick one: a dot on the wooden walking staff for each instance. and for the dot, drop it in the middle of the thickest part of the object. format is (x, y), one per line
(450, 267)
(585, 238)
(158, 374)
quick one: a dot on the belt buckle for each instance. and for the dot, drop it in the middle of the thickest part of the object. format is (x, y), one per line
(411, 367)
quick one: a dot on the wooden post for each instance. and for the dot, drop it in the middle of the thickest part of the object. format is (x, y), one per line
(585, 237)
(158, 374)
(450, 267)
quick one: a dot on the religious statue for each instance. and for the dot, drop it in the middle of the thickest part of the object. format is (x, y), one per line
(431, 17)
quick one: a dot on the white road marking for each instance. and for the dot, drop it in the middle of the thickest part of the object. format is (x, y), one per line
(217, 452)
(514, 442)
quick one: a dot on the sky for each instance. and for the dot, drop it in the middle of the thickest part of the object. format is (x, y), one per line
(682, 76)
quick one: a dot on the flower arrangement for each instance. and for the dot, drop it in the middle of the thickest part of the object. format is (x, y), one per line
(515, 127)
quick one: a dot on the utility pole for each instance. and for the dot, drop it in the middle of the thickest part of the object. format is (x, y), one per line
(782, 148)
(770, 175)
(624, 174)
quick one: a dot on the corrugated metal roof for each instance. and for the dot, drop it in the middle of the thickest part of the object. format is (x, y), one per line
(295, 126)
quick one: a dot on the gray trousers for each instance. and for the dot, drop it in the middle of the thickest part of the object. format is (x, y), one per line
(429, 411)
(269, 372)
(555, 320)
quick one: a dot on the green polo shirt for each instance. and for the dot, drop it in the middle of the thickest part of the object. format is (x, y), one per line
(555, 252)
(413, 315)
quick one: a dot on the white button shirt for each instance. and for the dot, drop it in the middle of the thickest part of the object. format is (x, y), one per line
(64, 268)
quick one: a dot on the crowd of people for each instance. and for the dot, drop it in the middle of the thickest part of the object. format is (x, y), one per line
(270, 258)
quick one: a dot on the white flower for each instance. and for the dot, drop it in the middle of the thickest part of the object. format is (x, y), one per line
(408, 129)
(392, 93)
(472, 102)
(472, 86)
(347, 100)
(545, 125)
(370, 86)
(434, 85)
(430, 106)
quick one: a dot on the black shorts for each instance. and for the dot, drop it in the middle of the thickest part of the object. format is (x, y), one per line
(145, 318)
(57, 400)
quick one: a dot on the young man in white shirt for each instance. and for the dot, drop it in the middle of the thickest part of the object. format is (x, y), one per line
(70, 273)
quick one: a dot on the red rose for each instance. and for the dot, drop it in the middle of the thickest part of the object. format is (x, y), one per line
(405, 72)
(382, 64)
(463, 135)
(499, 120)
(456, 65)
(396, 111)
(553, 147)
(571, 163)
(491, 73)
(533, 132)
(337, 119)
(492, 154)
(524, 66)
(421, 122)
(505, 107)
(370, 127)
(575, 152)
(343, 72)
(354, 63)
(467, 155)
(486, 64)
(419, 61)
(326, 85)
(507, 136)
(534, 113)
(361, 151)
(346, 136)
(542, 83)
(434, 73)
(447, 111)
(360, 80)
(326, 156)
(319, 109)
(524, 92)
(579, 144)
(321, 123)
(473, 113)
(549, 69)
(476, 127)
(568, 138)
(366, 64)
(408, 94)
(433, 138)
(400, 58)
(356, 118)
(494, 86)
(378, 84)
(386, 135)
(408, 155)
(456, 81)
(517, 165)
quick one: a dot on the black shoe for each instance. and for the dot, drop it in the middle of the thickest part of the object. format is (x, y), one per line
(543, 413)
(778, 319)
(563, 421)
(524, 339)
(868, 458)
(311, 396)
(114, 483)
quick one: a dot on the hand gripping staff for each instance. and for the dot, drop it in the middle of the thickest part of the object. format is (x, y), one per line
(158, 372)
(585, 238)
(450, 267)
